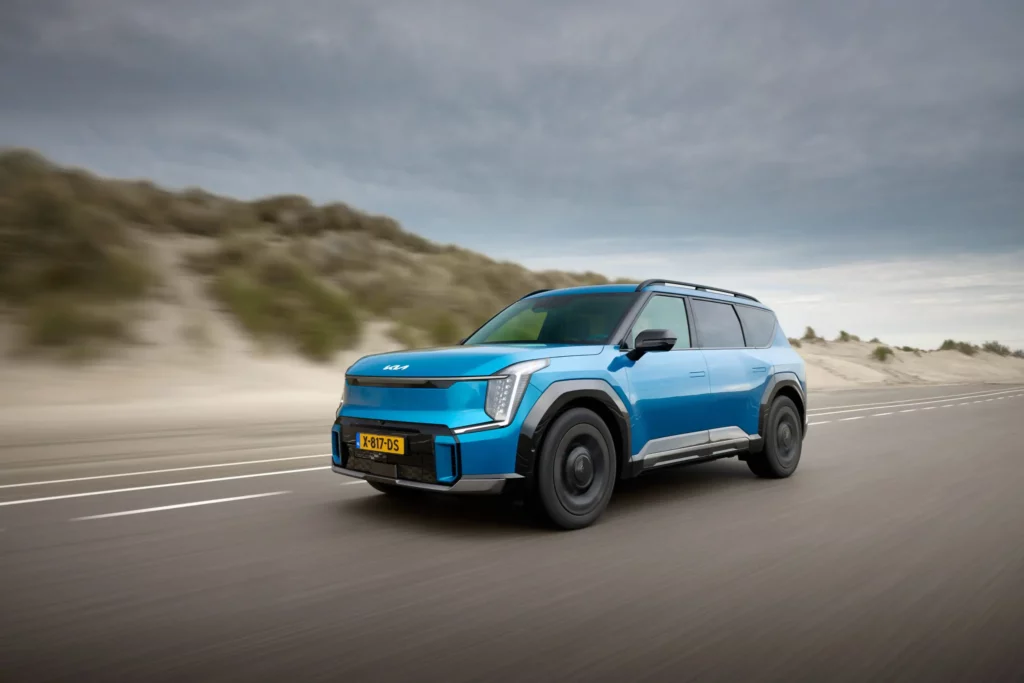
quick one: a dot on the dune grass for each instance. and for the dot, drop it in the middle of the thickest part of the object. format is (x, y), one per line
(996, 348)
(291, 273)
(75, 272)
(67, 267)
(278, 299)
(882, 353)
(965, 348)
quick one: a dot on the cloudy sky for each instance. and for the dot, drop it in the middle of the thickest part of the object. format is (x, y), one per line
(855, 164)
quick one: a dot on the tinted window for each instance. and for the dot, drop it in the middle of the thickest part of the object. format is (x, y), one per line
(717, 325)
(665, 313)
(758, 325)
(557, 319)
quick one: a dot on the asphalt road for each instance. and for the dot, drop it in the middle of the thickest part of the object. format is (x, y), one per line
(894, 554)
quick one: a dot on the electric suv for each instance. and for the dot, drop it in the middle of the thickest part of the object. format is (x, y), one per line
(566, 391)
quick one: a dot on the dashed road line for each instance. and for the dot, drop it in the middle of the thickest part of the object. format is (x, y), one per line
(838, 410)
(179, 506)
(162, 471)
(896, 403)
(906, 410)
(66, 496)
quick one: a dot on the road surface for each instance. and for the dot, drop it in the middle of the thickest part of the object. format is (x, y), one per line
(233, 553)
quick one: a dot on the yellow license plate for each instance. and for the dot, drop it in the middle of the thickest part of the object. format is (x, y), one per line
(395, 445)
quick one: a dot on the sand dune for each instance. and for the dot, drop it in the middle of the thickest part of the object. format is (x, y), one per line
(171, 380)
(844, 365)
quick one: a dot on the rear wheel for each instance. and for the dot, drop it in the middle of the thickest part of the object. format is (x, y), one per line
(575, 470)
(783, 440)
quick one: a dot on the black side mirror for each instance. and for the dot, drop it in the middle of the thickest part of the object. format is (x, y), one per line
(652, 340)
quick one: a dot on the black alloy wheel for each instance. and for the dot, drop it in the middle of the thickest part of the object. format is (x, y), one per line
(783, 442)
(576, 469)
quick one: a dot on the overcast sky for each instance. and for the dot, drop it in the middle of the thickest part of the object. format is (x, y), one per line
(855, 164)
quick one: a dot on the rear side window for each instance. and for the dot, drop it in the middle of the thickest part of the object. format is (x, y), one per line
(664, 313)
(717, 325)
(758, 325)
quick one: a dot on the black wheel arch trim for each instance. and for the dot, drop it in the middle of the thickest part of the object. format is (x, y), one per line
(551, 403)
(778, 382)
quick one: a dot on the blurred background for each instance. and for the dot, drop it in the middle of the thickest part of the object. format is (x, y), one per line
(209, 209)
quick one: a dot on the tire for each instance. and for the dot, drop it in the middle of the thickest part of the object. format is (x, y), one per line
(391, 489)
(783, 442)
(575, 470)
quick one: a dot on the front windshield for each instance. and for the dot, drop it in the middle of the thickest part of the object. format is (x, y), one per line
(557, 319)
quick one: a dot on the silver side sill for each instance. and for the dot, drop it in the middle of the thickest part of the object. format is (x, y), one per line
(652, 460)
(473, 484)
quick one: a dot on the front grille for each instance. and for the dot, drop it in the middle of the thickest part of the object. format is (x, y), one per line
(417, 464)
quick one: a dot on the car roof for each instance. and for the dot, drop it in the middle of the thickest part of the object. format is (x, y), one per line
(666, 289)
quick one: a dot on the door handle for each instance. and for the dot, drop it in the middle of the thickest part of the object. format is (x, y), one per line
(697, 373)
(761, 369)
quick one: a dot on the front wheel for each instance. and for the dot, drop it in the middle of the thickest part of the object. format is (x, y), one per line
(575, 469)
(783, 440)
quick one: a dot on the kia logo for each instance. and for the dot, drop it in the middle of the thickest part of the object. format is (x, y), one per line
(396, 367)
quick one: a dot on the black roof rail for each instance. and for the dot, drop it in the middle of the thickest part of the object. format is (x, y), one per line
(536, 291)
(703, 288)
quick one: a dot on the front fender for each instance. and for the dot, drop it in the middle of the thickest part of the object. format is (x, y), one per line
(594, 393)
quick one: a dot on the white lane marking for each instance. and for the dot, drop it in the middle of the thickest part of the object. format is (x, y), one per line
(948, 405)
(895, 404)
(912, 410)
(163, 471)
(988, 400)
(914, 401)
(847, 419)
(179, 506)
(930, 408)
(823, 422)
(350, 483)
(66, 496)
(881, 414)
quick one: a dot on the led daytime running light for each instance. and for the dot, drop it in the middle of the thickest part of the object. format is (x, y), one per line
(506, 392)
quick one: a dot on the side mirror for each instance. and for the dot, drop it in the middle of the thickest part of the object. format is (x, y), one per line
(652, 340)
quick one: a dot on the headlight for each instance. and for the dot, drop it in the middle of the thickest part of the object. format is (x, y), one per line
(504, 393)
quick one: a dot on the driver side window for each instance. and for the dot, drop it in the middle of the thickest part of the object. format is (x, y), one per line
(665, 313)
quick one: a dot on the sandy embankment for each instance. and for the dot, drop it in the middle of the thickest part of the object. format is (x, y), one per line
(173, 385)
(172, 379)
(848, 365)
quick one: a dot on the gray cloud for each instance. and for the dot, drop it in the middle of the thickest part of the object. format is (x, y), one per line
(851, 127)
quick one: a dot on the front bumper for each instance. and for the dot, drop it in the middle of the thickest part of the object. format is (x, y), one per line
(472, 484)
(436, 458)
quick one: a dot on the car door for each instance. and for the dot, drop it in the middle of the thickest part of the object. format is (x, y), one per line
(669, 389)
(736, 374)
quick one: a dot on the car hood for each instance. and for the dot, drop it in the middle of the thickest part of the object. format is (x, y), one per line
(461, 361)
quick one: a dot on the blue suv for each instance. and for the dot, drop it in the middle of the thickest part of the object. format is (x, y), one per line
(566, 391)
